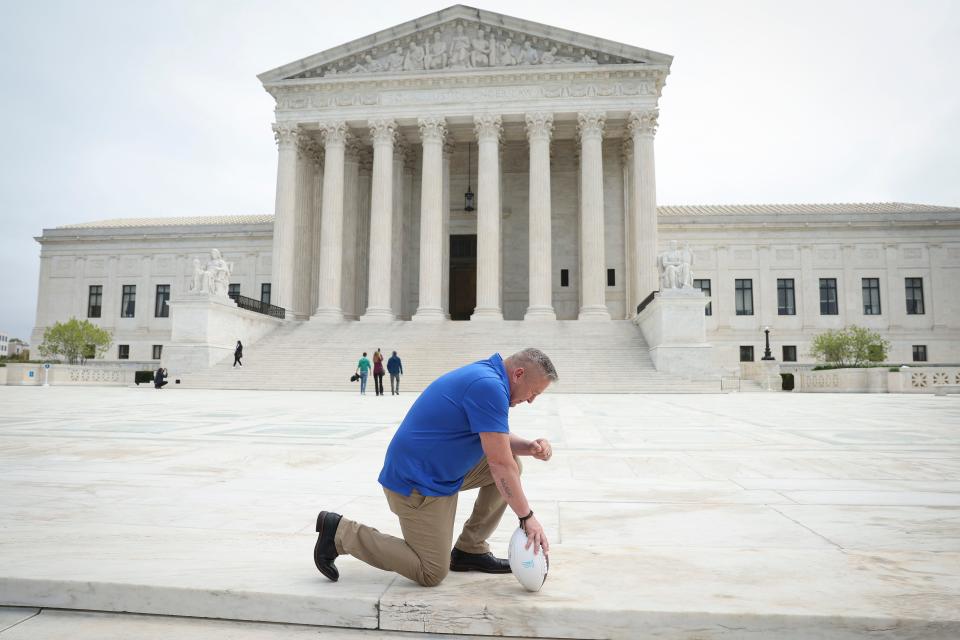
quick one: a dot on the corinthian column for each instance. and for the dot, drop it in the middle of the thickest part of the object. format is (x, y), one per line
(593, 266)
(303, 230)
(488, 129)
(284, 219)
(432, 133)
(383, 133)
(335, 136)
(643, 126)
(539, 130)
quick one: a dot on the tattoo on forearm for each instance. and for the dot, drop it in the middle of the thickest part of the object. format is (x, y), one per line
(505, 488)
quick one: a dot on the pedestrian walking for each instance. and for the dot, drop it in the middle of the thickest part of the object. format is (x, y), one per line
(363, 368)
(238, 354)
(395, 368)
(378, 372)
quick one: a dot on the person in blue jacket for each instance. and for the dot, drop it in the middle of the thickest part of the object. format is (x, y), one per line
(395, 369)
(454, 438)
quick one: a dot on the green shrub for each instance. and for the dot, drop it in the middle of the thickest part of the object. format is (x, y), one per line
(851, 346)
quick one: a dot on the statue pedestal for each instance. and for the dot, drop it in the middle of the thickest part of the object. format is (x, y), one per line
(205, 329)
(675, 329)
(766, 373)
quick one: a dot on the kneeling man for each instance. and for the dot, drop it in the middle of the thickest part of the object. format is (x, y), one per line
(456, 437)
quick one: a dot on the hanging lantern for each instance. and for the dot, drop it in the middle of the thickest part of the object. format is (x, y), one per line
(468, 197)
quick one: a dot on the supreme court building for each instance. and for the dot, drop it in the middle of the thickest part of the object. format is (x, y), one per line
(468, 165)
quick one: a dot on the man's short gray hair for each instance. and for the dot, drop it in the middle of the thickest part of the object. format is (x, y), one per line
(534, 357)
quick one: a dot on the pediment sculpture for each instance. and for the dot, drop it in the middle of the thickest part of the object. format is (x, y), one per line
(463, 45)
(213, 277)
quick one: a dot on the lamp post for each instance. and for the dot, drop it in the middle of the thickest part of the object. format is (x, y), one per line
(468, 197)
(766, 351)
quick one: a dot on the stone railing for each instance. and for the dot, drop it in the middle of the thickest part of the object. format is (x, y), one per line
(931, 379)
(98, 375)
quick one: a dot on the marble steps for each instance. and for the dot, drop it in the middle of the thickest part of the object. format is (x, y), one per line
(600, 357)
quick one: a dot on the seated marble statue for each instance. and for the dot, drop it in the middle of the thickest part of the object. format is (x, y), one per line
(676, 267)
(214, 277)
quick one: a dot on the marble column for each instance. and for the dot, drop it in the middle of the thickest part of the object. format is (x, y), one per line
(448, 147)
(335, 135)
(383, 133)
(629, 255)
(539, 132)
(362, 240)
(432, 134)
(488, 129)
(593, 274)
(645, 278)
(287, 136)
(351, 213)
(302, 231)
(317, 159)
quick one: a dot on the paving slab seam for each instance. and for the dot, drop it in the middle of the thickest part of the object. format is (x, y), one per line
(800, 524)
(19, 622)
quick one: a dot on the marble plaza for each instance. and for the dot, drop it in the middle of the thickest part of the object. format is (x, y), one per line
(671, 516)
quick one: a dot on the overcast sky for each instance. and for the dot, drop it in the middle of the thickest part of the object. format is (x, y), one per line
(150, 108)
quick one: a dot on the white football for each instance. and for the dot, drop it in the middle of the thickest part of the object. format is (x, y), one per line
(529, 569)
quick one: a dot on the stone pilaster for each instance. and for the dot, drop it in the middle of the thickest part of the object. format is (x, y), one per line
(539, 132)
(448, 147)
(432, 134)
(335, 135)
(383, 134)
(593, 278)
(287, 136)
(488, 129)
(315, 213)
(645, 278)
(351, 213)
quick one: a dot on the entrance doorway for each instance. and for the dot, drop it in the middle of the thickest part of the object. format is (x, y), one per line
(463, 276)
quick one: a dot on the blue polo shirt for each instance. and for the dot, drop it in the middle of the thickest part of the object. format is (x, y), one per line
(438, 442)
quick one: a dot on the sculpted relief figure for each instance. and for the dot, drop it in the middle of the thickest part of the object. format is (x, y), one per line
(549, 57)
(414, 59)
(480, 55)
(675, 268)
(395, 60)
(435, 56)
(218, 271)
(460, 49)
(529, 55)
(505, 54)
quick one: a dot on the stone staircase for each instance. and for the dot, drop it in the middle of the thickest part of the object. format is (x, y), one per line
(591, 357)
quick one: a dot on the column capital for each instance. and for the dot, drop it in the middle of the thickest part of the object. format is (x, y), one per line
(334, 132)
(448, 147)
(432, 129)
(488, 127)
(383, 131)
(539, 126)
(643, 123)
(365, 161)
(626, 151)
(590, 124)
(354, 149)
(286, 132)
(400, 149)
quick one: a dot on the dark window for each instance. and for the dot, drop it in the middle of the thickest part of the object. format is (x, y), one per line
(746, 353)
(128, 302)
(564, 277)
(162, 306)
(744, 289)
(704, 285)
(789, 353)
(265, 293)
(914, 296)
(233, 291)
(123, 351)
(871, 296)
(786, 297)
(463, 246)
(157, 351)
(611, 277)
(919, 353)
(95, 301)
(828, 297)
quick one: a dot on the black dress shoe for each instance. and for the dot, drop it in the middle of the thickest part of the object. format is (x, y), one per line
(325, 551)
(483, 562)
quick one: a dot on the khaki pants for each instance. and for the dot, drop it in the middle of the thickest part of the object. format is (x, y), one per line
(423, 555)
